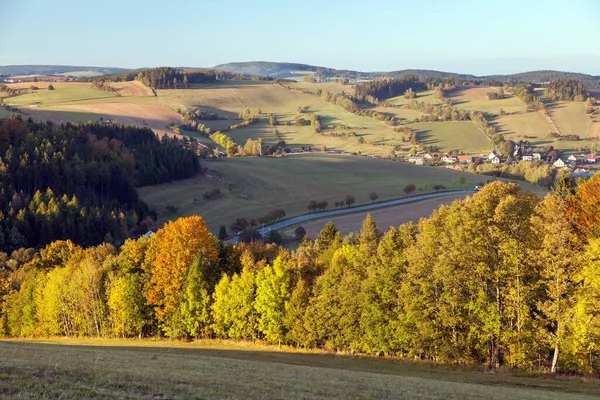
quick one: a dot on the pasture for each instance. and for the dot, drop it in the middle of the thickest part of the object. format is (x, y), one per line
(457, 135)
(475, 99)
(570, 118)
(253, 186)
(143, 369)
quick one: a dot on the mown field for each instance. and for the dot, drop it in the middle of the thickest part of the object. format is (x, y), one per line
(448, 136)
(254, 186)
(129, 369)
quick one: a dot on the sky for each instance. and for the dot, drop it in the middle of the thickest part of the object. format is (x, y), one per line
(476, 37)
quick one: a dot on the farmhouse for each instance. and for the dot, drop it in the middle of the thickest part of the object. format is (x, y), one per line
(417, 160)
(465, 159)
(559, 163)
(527, 157)
(590, 158)
(448, 159)
(572, 158)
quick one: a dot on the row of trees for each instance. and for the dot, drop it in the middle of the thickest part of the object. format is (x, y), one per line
(501, 278)
(79, 181)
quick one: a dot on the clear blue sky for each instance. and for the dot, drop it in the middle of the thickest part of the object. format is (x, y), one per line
(479, 37)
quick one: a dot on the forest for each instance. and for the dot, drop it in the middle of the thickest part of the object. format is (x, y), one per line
(79, 182)
(502, 278)
(567, 90)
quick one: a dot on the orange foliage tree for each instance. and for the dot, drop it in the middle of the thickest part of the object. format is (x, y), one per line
(175, 250)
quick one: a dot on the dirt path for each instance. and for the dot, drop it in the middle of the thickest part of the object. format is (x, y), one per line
(386, 217)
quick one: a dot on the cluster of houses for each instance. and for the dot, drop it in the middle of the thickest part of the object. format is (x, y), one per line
(575, 162)
(578, 163)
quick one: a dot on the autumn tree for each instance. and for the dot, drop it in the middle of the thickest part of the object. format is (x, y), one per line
(181, 252)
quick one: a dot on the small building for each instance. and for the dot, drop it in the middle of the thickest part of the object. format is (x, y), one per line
(590, 158)
(527, 157)
(492, 155)
(495, 160)
(537, 156)
(428, 157)
(465, 159)
(572, 158)
(417, 160)
(448, 159)
(559, 163)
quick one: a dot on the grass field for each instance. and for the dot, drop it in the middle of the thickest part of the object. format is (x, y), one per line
(447, 136)
(534, 125)
(128, 369)
(570, 118)
(263, 184)
(475, 98)
(425, 96)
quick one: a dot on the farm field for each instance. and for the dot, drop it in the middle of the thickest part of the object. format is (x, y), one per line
(447, 136)
(570, 118)
(534, 125)
(424, 96)
(385, 217)
(259, 185)
(142, 369)
(475, 98)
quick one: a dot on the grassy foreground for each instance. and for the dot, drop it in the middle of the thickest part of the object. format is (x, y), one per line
(73, 369)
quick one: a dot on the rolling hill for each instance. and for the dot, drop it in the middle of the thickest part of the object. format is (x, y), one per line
(13, 70)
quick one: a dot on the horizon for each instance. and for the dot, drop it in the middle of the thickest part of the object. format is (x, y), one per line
(381, 36)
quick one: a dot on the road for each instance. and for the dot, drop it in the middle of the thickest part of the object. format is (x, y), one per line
(352, 210)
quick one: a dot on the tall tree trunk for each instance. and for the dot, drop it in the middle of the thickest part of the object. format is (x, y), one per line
(554, 358)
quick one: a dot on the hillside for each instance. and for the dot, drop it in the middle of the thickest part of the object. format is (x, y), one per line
(294, 70)
(17, 70)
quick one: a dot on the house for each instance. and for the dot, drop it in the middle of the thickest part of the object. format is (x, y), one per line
(527, 157)
(448, 159)
(559, 163)
(492, 155)
(572, 158)
(417, 160)
(428, 157)
(590, 158)
(495, 160)
(537, 156)
(465, 159)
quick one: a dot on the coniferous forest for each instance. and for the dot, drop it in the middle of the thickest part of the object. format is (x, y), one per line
(502, 278)
(79, 182)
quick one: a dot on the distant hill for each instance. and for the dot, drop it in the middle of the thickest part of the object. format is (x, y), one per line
(291, 70)
(298, 71)
(16, 70)
(287, 70)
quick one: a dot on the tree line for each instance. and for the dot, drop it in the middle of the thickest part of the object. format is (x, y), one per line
(500, 278)
(567, 90)
(79, 181)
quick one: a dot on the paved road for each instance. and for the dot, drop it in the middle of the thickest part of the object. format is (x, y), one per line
(352, 210)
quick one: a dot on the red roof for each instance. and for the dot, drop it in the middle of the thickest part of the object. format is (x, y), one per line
(465, 157)
(591, 156)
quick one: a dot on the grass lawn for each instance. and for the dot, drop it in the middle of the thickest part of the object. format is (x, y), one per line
(263, 184)
(447, 136)
(130, 369)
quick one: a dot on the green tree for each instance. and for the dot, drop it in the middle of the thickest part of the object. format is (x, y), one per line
(272, 293)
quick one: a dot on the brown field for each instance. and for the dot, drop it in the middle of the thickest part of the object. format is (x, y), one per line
(386, 217)
(132, 89)
(595, 130)
(153, 116)
(472, 93)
